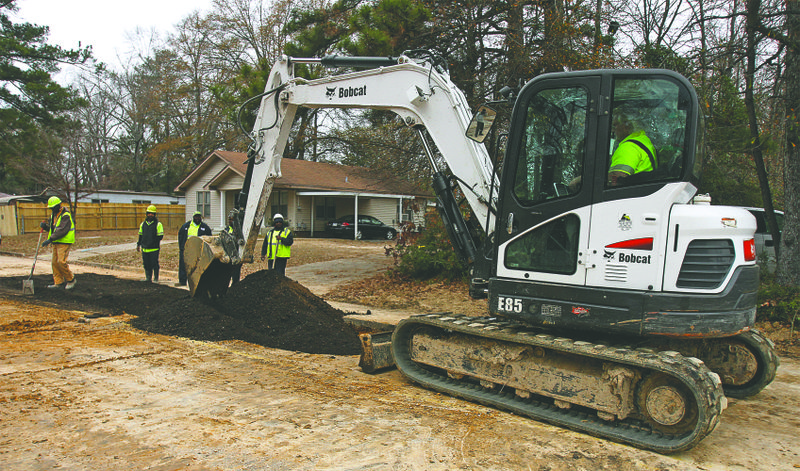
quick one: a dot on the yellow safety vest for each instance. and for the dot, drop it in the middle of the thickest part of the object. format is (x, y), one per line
(193, 229)
(275, 249)
(159, 232)
(69, 238)
(630, 158)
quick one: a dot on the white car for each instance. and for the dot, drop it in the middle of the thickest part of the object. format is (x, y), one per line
(765, 246)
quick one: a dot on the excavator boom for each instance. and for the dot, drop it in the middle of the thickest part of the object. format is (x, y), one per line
(420, 94)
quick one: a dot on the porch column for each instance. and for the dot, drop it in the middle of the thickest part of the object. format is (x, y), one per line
(355, 219)
(222, 219)
(399, 222)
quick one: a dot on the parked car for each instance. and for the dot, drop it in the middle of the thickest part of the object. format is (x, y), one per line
(368, 228)
(765, 246)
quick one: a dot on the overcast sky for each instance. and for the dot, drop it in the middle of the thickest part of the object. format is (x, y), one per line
(106, 25)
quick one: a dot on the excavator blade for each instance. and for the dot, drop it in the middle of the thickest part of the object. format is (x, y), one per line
(208, 267)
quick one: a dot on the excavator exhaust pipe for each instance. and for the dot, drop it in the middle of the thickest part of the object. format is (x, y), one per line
(208, 266)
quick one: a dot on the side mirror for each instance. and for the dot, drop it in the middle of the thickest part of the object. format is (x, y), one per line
(481, 123)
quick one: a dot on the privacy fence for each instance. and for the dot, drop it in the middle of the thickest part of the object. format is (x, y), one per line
(100, 216)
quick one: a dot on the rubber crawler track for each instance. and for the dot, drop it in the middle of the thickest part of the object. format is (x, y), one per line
(703, 384)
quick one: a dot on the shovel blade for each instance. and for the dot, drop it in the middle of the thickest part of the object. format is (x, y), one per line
(27, 286)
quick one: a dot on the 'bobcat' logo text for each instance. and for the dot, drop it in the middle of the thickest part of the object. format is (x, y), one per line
(345, 92)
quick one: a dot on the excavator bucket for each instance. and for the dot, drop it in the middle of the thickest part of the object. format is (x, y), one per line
(208, 267)
(376, 351)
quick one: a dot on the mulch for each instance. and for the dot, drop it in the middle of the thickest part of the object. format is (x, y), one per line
(264, 308)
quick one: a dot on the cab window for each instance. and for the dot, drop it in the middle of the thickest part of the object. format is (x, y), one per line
(648, 122)
(551, 248)
(551, 162)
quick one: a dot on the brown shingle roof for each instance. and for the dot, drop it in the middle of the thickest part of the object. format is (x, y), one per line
(305, 175)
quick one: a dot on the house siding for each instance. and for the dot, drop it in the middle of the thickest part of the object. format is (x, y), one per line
(198, 185)
(384, 209)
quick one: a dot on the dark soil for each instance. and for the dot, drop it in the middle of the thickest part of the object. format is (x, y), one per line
(264, 308)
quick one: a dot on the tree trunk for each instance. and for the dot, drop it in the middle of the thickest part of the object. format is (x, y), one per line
(753, 7)
(788, 273)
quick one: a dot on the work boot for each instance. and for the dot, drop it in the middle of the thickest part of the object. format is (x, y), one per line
(54, 286)
(70, 284)
(155, 275)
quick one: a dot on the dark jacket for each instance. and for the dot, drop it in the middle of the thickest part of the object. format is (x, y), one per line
(149, 237)
(183, 232)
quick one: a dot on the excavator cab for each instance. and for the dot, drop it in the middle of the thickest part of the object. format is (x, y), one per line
(595, 231)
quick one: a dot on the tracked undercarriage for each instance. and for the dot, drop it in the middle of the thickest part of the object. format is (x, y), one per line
(663, 401)
(746, 363)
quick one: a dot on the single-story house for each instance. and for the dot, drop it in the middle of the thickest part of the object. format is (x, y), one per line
(308, 194)
(133, 197)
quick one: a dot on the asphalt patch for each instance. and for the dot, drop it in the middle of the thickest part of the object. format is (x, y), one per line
(264, 308)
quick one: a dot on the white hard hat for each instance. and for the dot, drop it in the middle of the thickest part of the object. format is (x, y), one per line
(277, 216)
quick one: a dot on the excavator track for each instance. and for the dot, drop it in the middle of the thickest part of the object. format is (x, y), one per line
(660, 401)
(746, 362)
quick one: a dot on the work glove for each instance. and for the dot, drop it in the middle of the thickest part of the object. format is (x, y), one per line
(43, 225)
(137, 248)
(46, 242)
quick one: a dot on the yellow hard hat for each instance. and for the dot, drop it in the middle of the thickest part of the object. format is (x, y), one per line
(151, 208)
(54, 200)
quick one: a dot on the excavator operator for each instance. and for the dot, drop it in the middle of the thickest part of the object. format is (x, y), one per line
(634, 153)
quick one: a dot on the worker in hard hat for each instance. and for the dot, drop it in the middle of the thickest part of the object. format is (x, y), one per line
(150, 234)
(61, 233)
(192, 227)
(277, 245)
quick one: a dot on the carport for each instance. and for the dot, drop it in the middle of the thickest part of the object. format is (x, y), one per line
(356, 196)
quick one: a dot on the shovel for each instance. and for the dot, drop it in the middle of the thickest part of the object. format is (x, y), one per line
(27, 285)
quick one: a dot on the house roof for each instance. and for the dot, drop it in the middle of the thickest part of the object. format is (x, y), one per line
(306, 175)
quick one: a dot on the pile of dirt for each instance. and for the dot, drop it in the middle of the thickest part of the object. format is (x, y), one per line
(264, 308)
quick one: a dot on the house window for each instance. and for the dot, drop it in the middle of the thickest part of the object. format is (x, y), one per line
(326, 208)
(96, 201)
(280, 203)
(135, 201)
(204, 203)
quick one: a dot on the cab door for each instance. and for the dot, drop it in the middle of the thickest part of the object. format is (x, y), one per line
(544, 218)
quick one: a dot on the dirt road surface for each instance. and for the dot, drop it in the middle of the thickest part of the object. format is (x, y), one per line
(87, 393)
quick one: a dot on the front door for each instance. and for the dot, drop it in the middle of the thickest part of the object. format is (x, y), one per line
(543, 229)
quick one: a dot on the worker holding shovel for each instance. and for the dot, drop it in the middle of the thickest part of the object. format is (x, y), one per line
(61, 233)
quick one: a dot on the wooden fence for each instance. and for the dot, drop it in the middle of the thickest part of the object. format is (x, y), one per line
(101, 216)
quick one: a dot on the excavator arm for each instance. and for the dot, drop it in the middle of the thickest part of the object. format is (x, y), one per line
(420, 94)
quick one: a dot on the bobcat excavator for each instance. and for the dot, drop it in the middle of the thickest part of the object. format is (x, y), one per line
(618, 307)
